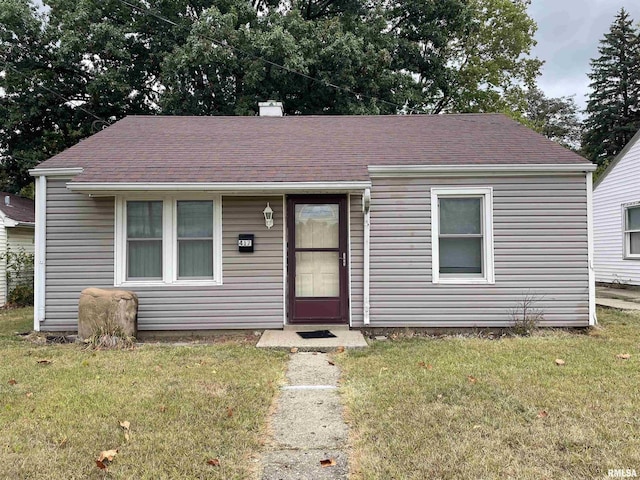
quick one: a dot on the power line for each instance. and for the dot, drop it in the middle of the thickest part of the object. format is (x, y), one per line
(7, 65)
(223, 44)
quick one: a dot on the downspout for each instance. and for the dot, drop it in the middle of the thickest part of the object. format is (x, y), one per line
(40, 252)
(593, 319)
(366, 205)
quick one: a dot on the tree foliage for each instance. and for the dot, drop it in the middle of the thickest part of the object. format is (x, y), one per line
(75, 63)
(555, 118)
(613, 109)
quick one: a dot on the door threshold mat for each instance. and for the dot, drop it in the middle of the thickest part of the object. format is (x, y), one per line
(317, 334)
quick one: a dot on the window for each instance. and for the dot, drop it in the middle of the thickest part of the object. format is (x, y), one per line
(462, 235)
(144, 240)
(170, 240)
(632, 231)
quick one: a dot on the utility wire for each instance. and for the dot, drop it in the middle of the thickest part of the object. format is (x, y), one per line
(8, 66)
(223, 44)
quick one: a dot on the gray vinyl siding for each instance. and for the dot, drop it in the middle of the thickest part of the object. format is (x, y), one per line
(80, 253)
(540, 237)
(356, 233)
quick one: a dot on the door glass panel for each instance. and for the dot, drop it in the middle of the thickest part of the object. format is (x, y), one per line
(317, 274)
(317, 225)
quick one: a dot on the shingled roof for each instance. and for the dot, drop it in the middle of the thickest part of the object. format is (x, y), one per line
(299, 148)
(20, 209)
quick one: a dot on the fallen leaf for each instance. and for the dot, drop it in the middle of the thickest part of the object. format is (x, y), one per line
(125, 425)
(229, 412)
(158, 368)
(101, 465)
(214, 462)
(472, 379)
(543, 414)
(294, 350)
(126, 436)
(422, 364)
(623, 356)
(429, 367)
(162, 408)
(327, 462)
(12, 381)
(559, 361)
(330, 363)
(29, 394)
(340, 349)
(108, 455)
(44, 362)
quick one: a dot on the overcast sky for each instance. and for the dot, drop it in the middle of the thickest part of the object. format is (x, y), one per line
(568, 35)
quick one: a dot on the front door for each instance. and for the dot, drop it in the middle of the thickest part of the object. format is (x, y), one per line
(317, 258)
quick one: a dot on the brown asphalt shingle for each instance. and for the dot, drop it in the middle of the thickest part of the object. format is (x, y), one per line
(19, 209)
(299, 148)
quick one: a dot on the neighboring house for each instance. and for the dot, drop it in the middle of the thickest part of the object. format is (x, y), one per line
(378, 221)
(17, 222)
(616, 218)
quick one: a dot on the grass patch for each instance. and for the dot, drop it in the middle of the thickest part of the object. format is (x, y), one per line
(478, 408)
(186, 405)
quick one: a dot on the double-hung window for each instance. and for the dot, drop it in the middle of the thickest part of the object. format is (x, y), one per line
(168, 240)
(462, 235)
(632, 231)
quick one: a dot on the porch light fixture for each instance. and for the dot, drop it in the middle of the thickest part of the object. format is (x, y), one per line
(268, 216)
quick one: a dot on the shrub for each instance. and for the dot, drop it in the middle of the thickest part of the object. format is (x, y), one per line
(19, 277)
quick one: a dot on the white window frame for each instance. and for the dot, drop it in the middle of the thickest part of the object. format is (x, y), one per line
(488, 273)
(626, 233)
(169, 241)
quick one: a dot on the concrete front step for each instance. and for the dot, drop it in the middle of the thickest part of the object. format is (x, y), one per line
(287, 339)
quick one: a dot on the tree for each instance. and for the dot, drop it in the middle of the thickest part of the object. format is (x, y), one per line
(555, 118)
(83, 64)
(613, 109)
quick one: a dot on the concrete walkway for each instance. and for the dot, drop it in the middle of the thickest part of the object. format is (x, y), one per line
(622, 299)
(308, 425)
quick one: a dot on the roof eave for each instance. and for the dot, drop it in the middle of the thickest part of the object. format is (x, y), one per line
(486, 169)
(111, 188)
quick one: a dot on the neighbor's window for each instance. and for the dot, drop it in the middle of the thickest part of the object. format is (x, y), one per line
(169, 240)
(462, 236)
(632, 231)
(144, 240)
(195, 239)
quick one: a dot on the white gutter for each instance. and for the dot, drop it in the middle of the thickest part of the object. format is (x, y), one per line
(55, 172)
(366, 206)
(593, 318)
(40, 253)
(97, 187)
(432, 170)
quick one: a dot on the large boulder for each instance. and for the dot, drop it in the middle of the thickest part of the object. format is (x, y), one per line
(107, 311)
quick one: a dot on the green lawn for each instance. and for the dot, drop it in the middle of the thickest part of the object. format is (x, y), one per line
(470, 408)
(186, 405)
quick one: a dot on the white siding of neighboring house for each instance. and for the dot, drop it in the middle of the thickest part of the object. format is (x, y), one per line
(14, 239)
(18, 239)
(3, 262)
(621, 186)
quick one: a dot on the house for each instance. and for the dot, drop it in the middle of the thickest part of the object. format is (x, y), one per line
(616, 218)
(17, 223)
(258, 222)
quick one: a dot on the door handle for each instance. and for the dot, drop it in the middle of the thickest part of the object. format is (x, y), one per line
(344, 259)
